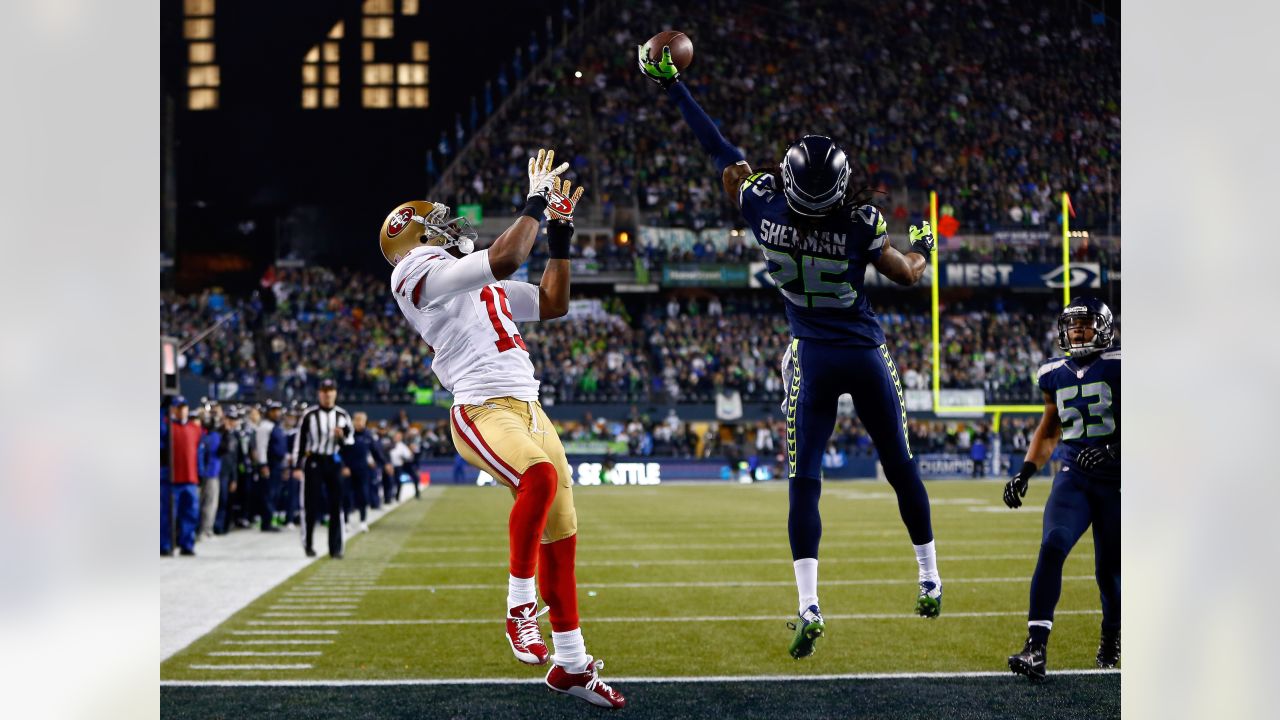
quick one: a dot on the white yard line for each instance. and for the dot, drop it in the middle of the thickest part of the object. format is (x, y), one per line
(616, 680)
(731, 583)
(284, 632)
(297, 666)
(942, 560)
(780, 543)
(676, 619)
(278, 641)
(306, 614)
(265, 653)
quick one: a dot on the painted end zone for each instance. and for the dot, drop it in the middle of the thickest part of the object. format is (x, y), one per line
(1091, 694)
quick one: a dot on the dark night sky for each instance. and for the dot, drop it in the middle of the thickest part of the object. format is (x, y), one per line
(321, 177)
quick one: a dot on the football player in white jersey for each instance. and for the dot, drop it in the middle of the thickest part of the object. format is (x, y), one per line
(463, 307)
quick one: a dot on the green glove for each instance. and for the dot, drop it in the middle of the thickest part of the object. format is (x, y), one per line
(664, 72)
(921, 239)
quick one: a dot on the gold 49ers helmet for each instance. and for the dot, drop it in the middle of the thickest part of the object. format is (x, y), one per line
(421, 222)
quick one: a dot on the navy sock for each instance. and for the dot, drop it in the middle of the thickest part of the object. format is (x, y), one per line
(1039, 634)
(804, 524)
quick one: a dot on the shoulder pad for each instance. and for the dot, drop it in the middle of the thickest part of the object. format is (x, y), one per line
(764, 179)
(1050, 366)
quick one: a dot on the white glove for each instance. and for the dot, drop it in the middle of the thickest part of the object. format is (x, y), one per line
(541, 174)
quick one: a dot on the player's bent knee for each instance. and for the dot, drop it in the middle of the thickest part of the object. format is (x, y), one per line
(1057, 541)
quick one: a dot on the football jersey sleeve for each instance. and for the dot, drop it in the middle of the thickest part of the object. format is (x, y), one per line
(1044, 378)
(523, 298)
(430, 277)
(875, 227)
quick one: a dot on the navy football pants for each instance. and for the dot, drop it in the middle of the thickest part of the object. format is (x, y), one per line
(1074, 503)
(815, 376)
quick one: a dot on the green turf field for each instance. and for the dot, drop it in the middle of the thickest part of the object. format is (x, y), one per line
(674, 581)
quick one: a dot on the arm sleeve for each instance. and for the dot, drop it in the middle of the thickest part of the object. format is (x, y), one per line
(704, 128)
(524, 298)
(294, 454)
(348, 434)
(436, 276)
(375, 447)
(878, 229)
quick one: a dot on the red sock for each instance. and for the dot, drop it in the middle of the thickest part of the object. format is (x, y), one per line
(557, 582)
(529, 516)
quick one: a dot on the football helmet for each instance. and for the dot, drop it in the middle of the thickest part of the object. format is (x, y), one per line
(815, 175)
(421, 222)
(1096, 314)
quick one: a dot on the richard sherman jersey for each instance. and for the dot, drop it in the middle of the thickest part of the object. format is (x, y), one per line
(818, 269)
(1088, 399)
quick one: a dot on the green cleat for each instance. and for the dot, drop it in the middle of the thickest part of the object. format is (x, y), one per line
(929, 602)
(808, 630)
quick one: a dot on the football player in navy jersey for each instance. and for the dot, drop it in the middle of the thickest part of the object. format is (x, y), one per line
(818, 232)
(1082, 404)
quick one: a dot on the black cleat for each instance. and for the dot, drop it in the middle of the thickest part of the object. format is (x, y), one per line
(311, 553)
(1030, 661)
(1109, 649)
(190, 552)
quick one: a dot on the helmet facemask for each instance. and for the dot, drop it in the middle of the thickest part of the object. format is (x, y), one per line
(454, 233)
(1076, 318)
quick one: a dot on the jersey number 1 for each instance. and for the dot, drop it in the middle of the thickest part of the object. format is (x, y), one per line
(505, 341)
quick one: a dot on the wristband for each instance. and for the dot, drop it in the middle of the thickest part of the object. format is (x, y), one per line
(921, 247)
(535, 207)
(1028, 469)
(559, 235)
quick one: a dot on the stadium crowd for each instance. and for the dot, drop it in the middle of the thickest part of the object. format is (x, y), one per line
(920, 116)
(280, 341)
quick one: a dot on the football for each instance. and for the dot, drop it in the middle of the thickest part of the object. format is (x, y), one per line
(680, 44)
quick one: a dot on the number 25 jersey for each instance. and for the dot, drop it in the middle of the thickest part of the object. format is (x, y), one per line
(469, 318)
(1088, 399)
(818, 268)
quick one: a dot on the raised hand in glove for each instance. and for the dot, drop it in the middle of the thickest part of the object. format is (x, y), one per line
(542, 174)
(563, 200)
(664, 72)
(1016, 489)
(921, 239)
(1092, 458)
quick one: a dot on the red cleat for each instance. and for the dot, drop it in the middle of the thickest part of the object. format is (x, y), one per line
(586, 685)
(525, 636)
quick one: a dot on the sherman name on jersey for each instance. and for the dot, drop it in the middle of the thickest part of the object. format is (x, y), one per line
(469, 318)
(1087, 393)
(819, 268)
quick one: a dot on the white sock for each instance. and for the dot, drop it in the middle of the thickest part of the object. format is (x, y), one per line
(570, 650)
(520, 591)
(928, 562)
(807, 581)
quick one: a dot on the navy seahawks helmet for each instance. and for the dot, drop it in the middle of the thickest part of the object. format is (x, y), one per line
(815, 174)
(1099, 316)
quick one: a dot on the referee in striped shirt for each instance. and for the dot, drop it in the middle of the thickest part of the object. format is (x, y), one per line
(321, 432)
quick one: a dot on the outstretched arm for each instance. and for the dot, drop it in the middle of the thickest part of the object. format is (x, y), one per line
(512, 247)
(728, 158)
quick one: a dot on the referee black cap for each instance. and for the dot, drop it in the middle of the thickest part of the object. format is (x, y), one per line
(328, 384)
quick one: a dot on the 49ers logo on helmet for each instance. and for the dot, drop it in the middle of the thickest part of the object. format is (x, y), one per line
(560, 204)
(399, 221)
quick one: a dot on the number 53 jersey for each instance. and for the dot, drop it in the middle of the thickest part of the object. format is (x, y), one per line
(469, 318)
(1088, 398)
(819, 266)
